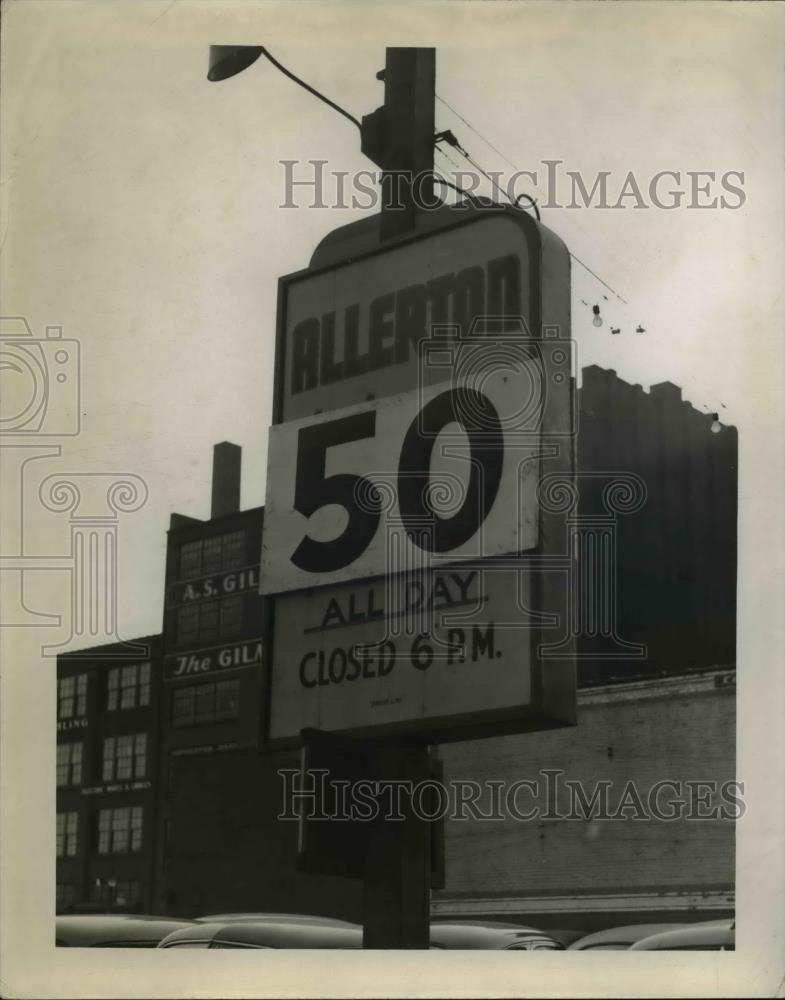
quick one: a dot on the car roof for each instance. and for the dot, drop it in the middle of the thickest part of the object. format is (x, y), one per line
(266, 934)
(621, 936)
(714, 934)
(91, 930)
(283, 918)
(488, 934)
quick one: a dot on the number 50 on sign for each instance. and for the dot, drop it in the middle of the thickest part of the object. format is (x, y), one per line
(449, 472)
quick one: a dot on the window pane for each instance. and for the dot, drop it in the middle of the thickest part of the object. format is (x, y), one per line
(62, 764)
(204, 703)
(127, 891)
(211, 555)
(208, 620)
(144, 684)
(66, 698)
(140, 763)
(233, 549)
(81, 694)
(120, 830)
(191, 560)
(136, 828)
(124, 758)
(108, 759)
(76, 763)
(188, 624)
(104, 828)
(231, 615)
(112, 687)
(70, 834)
(183, 706)
(227, 700)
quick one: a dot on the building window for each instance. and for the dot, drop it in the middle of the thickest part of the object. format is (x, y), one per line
(200, 703)
(125, 757)
(120, 830)
(211, 555)
(128, 687)
(69, 764)
(209, 620)
(66, 834)
(231, 616)
(65, 893)
(114, 892)
(71, 696)
(126, 892)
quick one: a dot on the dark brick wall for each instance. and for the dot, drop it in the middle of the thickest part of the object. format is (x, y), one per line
(226, 850)
(681, 736)
(677, 554)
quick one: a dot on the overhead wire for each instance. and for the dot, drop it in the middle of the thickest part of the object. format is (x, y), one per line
(487, 141)
(470, 159)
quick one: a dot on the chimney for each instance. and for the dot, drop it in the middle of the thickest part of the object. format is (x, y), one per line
(227, 458)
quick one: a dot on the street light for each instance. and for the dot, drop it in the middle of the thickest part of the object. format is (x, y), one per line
(229, 60)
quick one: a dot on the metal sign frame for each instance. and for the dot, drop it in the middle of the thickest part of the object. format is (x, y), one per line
(553, 684)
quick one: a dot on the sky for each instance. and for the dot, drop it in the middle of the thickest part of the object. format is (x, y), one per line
(140, 212)
(143, 204)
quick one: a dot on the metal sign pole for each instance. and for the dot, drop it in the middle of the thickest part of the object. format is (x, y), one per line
(396, 888)
(399, 136)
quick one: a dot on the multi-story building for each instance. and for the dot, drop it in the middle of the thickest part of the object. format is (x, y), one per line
(221, 845)
(108, 732)
(208, 802)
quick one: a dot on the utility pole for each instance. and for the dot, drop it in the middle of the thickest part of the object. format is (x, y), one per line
(398, 137)
(397, 882)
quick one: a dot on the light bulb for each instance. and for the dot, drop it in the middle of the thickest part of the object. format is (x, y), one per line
(597, 318)
(716, 426)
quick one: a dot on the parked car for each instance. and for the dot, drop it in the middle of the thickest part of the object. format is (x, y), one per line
(263, 934)
(712, 935)
(269, 933)
(487, 934)
(619, 938)
(280, 918)
(113, 930)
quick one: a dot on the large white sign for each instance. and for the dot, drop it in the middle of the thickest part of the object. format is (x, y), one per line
(422, 391)
(354, 330)
(419, 479)
(396, 651)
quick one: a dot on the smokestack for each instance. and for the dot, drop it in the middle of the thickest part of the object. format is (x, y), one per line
(227, 459)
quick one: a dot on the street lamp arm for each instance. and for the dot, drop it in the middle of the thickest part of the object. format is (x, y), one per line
(310, 89)
(228, 60)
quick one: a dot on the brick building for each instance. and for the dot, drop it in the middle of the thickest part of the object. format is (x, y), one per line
(108, 733)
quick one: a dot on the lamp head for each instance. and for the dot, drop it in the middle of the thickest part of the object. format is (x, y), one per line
(229, 60)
